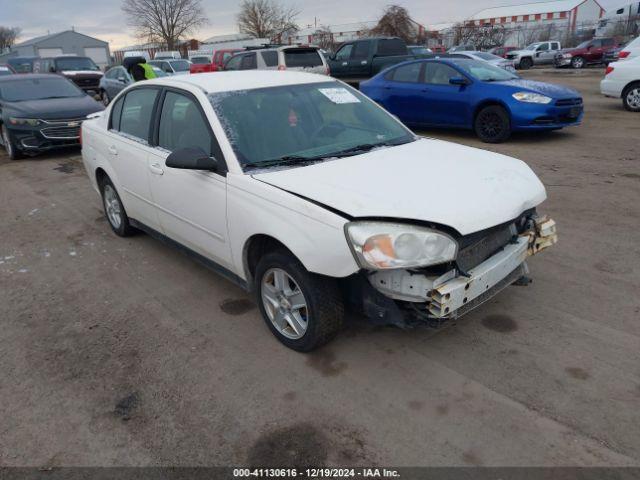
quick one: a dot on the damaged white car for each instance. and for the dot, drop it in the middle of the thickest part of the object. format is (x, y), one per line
(301, 189)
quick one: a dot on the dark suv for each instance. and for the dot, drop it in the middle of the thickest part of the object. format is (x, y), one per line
(80, 70)
(590, 52)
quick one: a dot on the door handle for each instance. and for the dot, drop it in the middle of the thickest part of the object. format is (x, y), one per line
(113, 150)
(156, 168)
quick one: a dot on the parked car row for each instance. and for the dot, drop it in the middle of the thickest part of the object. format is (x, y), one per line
(622, 80)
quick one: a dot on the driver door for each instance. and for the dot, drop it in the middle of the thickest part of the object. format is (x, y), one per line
(191, 204)
(544, 54)
(340, 63)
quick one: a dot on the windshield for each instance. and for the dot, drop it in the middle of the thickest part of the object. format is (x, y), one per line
(75, 64)
(486, 56)
(159, 73)
(533, 46)
(418, 50)
(483, 71)
(298, 123)
(584, 44)
(200, 60)
(37, 89)
(180, 65)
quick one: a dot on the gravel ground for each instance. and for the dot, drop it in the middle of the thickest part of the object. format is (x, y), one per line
(125, 352)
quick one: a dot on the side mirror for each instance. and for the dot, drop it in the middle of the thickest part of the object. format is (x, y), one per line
(192, 158)
(458, 81)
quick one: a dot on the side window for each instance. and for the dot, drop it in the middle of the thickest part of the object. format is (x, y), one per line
(248, 62)
(607, 42)
(596, 44)
(136, 112)
(361, 51)
(270, 58)
(233, 63)
(391, 47)
(543, 48)
(555, 46)
(439, 73)
(345, 52)
(182, 125)
(116, 112)
(407, 73)
(166, 67)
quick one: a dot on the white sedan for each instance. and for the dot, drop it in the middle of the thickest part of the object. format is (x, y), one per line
(622, 80)
(301, 189)
(490, 58)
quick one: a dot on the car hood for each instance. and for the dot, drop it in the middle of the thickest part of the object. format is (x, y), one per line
(549, 89)
(428, 180)
(54, 108)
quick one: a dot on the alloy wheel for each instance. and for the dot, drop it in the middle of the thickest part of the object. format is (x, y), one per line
(633, 98)
(112, 207)
(491, 125)
(284, 303)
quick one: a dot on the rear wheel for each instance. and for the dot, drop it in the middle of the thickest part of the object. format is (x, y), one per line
(526, 63)
(492, 124)
(631, 97)
(9, 144)
(577, 62)
(303, 310)
(114, 210)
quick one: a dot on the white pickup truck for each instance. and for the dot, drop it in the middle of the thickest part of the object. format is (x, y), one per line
(538, 53)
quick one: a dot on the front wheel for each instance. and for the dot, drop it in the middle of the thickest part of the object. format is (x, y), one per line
(577, 63)
(631, 97)
(526, 63)
(303, 310)
(492, 124)
(9, 145)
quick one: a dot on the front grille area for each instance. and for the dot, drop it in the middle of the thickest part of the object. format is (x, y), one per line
(478, 247)
(87, 82)
(61, 132)
(569, 102)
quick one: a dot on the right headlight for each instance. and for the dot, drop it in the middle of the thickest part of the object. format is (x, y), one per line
(531, 97)
(387, 246)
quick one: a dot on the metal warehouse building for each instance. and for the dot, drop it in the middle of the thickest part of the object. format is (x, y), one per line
(68, 42)
(566, 13)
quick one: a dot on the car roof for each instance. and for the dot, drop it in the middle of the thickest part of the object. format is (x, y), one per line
(231, 81)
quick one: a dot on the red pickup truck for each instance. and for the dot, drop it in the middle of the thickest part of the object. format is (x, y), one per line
(590, 52)
(210, 62)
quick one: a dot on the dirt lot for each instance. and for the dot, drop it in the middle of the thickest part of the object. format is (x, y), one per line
(125, 352)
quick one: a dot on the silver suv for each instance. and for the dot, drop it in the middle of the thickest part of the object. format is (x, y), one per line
(296, 58)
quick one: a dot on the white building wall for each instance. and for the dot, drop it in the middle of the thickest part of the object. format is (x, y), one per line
(588, 12)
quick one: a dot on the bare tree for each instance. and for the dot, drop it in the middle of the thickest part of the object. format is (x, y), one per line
(323, 37)
(395, 22)
(164, 21)
(8, 36)
(267, 19)
(480, 36)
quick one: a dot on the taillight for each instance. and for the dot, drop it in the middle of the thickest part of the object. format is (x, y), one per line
(608, 71)
(282, 67)
(624, 54)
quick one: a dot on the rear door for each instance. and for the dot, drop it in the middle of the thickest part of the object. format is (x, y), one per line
(249, 61)
(191, 203)
(441, 103)
(403, 90)
(128, 149)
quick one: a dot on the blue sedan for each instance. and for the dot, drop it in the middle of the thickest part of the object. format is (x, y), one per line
(472, 94)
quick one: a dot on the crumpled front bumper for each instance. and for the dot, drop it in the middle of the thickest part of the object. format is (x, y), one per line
(458, 296)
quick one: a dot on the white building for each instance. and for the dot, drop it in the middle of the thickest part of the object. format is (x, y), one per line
(568, 16)
(232, 41)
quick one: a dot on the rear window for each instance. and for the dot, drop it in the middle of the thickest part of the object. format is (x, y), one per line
(390, 47)
(200, 60)
(302, 57)
(180, 65)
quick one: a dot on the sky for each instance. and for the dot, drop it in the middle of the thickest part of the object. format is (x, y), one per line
(103, 18)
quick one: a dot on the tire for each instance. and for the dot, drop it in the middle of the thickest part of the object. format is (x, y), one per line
(105, 98)
(282, 285)
(9, 145)
(631, 97)
(577, 63)
(492, 124)
(114, 210)
(526, 63)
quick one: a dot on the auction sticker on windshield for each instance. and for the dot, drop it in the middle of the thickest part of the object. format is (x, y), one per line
(339, 95)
